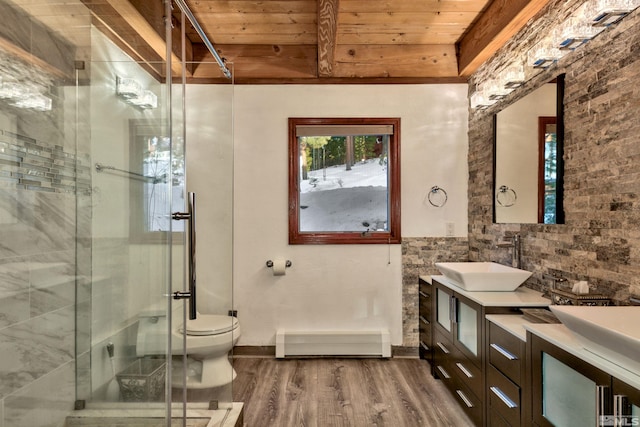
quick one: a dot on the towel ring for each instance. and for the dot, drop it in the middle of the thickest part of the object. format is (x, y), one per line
(508, 198)
(437, 196)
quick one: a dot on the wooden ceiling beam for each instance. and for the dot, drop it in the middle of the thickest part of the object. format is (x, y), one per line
(127, 26)
(136, 20)
(501, 20)
(327, 32)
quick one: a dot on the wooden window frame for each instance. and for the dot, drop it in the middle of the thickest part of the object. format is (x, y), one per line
(392, 236)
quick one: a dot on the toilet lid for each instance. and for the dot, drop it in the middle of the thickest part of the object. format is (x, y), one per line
(210, 324)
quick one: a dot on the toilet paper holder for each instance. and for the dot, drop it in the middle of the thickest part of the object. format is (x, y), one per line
(287, 264)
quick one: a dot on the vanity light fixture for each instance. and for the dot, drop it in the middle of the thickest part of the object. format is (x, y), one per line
(127, 87)
(544, 54)
(34, 101)
(514, 76)
(147, 100)
(587, 21)
(498, 90)
(479, 100)
(131, 92)
(22, 95)
(608, 12)
(576, 32)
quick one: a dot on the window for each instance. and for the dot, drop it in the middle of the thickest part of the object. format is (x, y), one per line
(157, 177)
(344, 180)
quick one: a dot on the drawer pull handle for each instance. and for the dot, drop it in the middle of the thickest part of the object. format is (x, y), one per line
(425, 321)
(423, 345)
(503, 352)
(422, 294)
(505, 399)
(465, 399)
(464, 370)
(443, 372)
(443, 348)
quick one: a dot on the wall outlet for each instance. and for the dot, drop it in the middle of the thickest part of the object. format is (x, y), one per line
(450, 229)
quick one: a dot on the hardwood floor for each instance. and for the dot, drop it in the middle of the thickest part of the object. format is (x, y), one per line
(329, 392)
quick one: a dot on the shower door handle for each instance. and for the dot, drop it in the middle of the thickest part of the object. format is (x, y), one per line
(190, 217)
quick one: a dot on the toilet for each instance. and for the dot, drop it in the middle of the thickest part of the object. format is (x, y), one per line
(210, 337)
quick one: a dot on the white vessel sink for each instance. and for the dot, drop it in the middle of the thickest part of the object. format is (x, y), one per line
(483, 276)
(610, 332)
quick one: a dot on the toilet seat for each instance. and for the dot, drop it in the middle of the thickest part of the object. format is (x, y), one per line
(210, 324)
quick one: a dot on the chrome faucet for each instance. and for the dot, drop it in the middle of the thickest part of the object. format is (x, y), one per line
(516, 255)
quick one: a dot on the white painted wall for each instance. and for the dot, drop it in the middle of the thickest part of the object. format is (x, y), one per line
(337, 286)
(209, 149)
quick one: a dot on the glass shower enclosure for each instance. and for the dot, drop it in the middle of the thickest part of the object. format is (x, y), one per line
(94, 161)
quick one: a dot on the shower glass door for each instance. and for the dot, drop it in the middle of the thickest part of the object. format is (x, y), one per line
(136, 183)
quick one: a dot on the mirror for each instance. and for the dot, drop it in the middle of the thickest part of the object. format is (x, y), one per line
(528, 164)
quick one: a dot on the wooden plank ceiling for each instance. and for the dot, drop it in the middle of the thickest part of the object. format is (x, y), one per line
(323, 41)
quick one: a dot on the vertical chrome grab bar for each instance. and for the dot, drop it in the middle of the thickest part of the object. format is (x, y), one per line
(191, 196)
(190, 216)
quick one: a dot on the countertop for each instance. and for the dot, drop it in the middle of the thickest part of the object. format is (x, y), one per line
(560, 336)
(512, 323)
(521, 297)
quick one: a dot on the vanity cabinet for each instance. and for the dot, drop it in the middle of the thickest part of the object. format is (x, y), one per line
(459, 334)
(568, 391)
(506, 388)
(425, 296)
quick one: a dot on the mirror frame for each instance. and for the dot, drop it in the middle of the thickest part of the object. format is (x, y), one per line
(560, 217)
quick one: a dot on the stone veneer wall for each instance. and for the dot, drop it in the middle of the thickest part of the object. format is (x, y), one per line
(419, 255)
(600, 240)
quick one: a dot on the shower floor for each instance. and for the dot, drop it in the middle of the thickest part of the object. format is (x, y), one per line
(122, 417)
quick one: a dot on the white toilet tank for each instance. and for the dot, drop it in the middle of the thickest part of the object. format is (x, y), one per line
(152, 331)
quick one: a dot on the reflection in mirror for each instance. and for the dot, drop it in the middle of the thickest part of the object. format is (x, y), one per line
(547, 170)
(528, 158)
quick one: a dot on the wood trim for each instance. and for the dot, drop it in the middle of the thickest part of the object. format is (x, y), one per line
(254, 351)
(501, 20)
(327, 30)
(331, 80)
(145, 30)
(392, 236)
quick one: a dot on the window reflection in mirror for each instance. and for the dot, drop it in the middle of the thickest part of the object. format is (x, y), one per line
(528, 158)
(548, 170)
(344, 180)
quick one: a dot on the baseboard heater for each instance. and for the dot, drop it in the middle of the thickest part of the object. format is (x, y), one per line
(369, 343)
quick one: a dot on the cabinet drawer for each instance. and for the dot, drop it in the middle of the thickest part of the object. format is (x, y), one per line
(503, 396)
(506, 352)
(468, 401)
(425, 307)
(458, 364)
(441, 355)
(468, 373)
(424, 287)
(496, 420)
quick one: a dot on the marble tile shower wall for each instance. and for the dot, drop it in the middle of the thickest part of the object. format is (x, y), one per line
(419, 255)
(39, 183)
(600, 240)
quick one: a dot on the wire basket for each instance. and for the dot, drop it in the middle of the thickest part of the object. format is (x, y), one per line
(143, 381)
